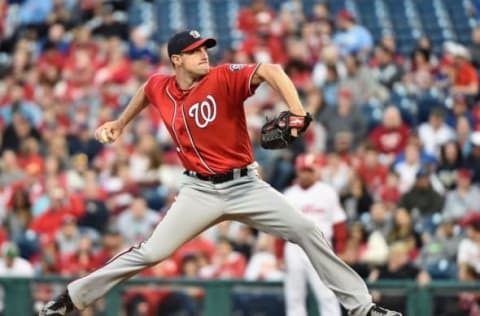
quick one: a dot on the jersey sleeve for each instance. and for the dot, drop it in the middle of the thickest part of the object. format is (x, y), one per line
(149, 86)
(238, 78)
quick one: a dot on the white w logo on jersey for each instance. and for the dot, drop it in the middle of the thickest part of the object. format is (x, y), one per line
(204, 112)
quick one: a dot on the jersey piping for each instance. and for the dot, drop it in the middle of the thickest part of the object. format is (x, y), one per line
(251, 78)
(173, 118)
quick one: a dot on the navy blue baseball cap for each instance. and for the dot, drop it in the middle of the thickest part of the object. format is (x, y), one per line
(185, 41)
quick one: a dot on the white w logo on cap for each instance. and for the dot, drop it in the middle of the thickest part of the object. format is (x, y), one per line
(194, 34)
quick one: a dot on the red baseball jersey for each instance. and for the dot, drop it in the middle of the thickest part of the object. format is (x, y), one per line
(207, 123)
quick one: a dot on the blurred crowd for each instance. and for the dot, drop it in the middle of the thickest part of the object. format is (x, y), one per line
(398, 138)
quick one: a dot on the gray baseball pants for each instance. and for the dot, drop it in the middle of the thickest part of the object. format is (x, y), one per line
(201, 204)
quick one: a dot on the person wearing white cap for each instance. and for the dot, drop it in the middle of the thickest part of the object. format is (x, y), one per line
(465, 79)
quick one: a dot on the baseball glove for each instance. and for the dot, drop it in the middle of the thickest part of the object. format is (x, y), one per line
(277, 132)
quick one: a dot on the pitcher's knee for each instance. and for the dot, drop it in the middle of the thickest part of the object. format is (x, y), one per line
(302, 230)
(153, 255)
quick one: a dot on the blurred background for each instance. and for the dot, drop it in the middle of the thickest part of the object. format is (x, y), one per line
(393, 87)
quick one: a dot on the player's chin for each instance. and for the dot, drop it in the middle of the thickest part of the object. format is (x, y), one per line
(203, 69)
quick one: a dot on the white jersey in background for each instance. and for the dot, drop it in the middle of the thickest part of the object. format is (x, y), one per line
(321, 204)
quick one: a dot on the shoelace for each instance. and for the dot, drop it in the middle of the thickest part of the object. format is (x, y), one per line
(54, 309)
(377, 313)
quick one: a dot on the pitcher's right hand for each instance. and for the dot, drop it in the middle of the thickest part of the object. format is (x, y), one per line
(108, 132)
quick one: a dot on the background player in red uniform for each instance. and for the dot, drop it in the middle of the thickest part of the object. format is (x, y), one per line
(202, 108)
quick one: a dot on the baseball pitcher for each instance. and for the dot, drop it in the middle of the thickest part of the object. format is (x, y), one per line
(202, 108)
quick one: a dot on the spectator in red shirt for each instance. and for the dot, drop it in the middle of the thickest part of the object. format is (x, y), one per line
(265, 47)
(48, 260)
(112, 244)
(30, 154)
(256, 13)
(298, 65)
(79, 70)
(226, 262)
(167, 269)
(117, 68)
(261, 42)
(82, 39)
(3, 15)
(50, 221)
(371, 171)
(465, 75)
(3, 236)
(475, 111)
(80, 262)
(50, 63)
(389, 193)
(195, 246)
(391, 137)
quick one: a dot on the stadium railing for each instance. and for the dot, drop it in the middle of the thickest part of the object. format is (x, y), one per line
(18, 298)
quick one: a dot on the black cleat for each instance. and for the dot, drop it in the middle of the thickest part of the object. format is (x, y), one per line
(379, 311)
(61, 306)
